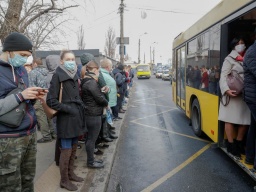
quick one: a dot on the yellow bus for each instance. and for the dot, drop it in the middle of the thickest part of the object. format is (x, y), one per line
(205, 45)
(143, 71)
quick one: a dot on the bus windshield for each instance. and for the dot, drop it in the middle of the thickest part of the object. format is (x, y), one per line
(143, 68)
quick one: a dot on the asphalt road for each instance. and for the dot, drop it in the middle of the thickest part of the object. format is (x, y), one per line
(159, 152)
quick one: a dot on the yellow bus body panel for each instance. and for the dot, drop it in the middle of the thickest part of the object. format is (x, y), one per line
(209, 106)
(144, 73)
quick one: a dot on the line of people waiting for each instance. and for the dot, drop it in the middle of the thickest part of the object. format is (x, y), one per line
(203, 78)
(89, 91)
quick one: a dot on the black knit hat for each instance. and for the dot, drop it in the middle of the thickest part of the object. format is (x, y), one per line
(120, 67)
(85, 58)
(17, 42)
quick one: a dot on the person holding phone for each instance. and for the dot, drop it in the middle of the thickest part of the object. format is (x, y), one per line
(17, 144)
(94, 101)
(236, 112)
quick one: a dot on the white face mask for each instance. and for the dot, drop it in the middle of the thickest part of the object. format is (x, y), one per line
(240, 48)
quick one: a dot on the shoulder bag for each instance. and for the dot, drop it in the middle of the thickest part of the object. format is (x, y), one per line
(235, 82)
(14, 117)
(50, 113)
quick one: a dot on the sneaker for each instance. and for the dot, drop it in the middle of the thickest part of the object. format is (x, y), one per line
(44, 140)
(95, 165)
(81, 141)
(98, 152)
(104, 146)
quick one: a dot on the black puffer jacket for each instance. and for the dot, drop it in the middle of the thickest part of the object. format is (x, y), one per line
(92, 97)
(250, 75)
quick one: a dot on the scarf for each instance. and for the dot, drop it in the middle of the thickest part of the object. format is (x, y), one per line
(71, 74)
(91, 75)
(239, 58)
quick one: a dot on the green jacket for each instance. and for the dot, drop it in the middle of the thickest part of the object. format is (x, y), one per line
(111, 83)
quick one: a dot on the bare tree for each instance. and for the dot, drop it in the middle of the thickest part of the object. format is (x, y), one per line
(110, 44)
(80, 38)
(26, 15)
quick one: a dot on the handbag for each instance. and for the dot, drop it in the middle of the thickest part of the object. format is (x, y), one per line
(51, 113)
(14, 117)
(235, 82)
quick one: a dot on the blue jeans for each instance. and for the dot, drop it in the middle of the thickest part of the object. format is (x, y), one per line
(67, 143)
(251, 135)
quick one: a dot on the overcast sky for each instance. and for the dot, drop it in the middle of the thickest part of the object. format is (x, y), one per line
(161, 23)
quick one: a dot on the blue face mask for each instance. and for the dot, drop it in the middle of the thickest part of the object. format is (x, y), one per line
(17, 60)
(70, 65)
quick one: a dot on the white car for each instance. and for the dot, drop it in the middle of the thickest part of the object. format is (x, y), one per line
(159, 74)
(166, 75)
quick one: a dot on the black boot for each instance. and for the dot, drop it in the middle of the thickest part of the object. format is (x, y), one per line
(233, 148)
(236, 149)
(107, 139)
(111, 136)
(229, 147)
(240, 146)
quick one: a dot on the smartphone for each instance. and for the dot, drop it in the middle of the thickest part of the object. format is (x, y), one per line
(42, 90)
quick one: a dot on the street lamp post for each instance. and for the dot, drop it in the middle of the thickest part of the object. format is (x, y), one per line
(139, 46)
(153, 53)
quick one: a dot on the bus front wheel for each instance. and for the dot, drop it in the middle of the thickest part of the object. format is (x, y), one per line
(196, 118)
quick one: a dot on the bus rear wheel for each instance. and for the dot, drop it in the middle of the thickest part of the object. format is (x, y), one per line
(196, 118)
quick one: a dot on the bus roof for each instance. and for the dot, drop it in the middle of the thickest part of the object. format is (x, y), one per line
(219, 12)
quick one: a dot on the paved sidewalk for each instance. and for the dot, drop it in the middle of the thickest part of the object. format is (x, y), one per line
(95, 180)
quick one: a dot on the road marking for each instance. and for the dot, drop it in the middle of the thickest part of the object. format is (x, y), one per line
(143, 91)
(176, 170)
(173, 132)
(149, 98)
(154, 114)
(152, 104)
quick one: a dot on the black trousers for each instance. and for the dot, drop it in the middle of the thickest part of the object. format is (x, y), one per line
(115, 111)
(93, 124)
(120, 101)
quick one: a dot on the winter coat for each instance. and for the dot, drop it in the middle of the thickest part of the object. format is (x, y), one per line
(250, 74)
(236, 112)
(112, 94)
(120, 80)
(70, 116)
(52, 62)
(205, 79)
(37, 77)
(9, 78)
(94, 100)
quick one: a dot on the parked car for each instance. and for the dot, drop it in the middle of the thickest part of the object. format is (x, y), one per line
(159, 74)
(166, 75)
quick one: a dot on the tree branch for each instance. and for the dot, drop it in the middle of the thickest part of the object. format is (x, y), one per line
(45, 11)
